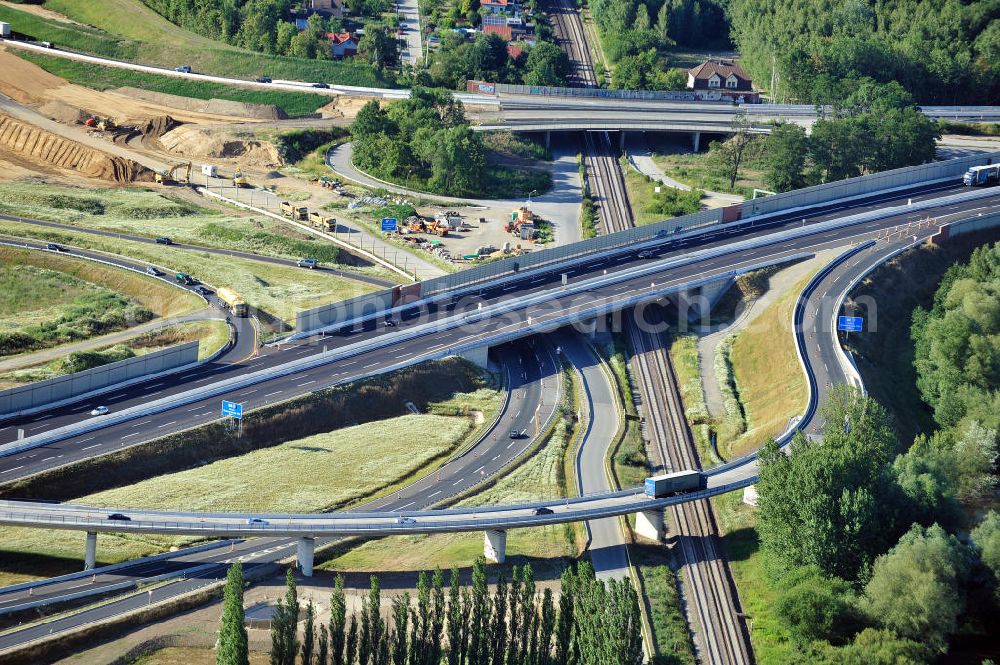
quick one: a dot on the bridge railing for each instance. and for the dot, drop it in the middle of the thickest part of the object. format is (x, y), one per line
(699, 221)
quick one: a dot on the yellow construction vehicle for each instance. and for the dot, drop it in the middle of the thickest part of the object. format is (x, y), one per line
(167, 177)
(300, 213)
(240, 180)
(322, 222)
(105, 124)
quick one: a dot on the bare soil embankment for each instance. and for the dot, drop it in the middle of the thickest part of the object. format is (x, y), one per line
(38, 145)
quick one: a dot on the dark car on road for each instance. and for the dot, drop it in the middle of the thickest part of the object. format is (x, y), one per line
(515, 434)
(56, 248)
(150, 270)
(543, 511)
(263, 79)
(320, 85)
(389, 323)
(163, 240)
(119, 517)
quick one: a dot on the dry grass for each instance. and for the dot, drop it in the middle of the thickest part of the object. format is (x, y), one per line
(769, 379)
(163, 299)
(536, 479)
(190, 656)
(305, 475)
(280, 291)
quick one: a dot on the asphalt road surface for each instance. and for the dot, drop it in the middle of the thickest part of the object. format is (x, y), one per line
(607, 543)
(532, 380)
(431, 344)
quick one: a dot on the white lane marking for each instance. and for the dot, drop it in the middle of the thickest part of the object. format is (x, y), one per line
(370, 366)
(96, 445)
(166, 424)
(479, 469)
(407, 505)
(429, 496)
(48, 458)
(194, 409)
(157, 385)
(458, 482)
(248, 392)
(496, 458)
(14, 469)
(276, 392)
(133, 434)
(306, 383)
(89, 438)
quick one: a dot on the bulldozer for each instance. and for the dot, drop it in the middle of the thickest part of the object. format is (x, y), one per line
(240, 180)
(167, 177)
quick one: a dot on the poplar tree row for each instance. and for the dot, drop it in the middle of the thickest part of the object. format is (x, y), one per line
(594, 623)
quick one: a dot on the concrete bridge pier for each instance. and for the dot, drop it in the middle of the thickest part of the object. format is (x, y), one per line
(495, 546)
(477, 356)
(587, 326)
(304, 555)
(90, 553)
(548, 140)
(696, 140)
(649, 524)
(621, 141)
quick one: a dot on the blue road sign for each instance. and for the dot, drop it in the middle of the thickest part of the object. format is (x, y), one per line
(850, 323)
(234, 409)
(388, 224)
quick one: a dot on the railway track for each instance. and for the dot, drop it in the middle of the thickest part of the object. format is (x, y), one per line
(710, 597)
(709, 593)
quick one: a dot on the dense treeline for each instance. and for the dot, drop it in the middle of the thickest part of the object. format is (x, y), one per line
(636, 34)
(958, 343)
(267, 26)
(487, 58)
(591, 623)
(941, 51)
(874, 128)
(860, 543)
(425, 142)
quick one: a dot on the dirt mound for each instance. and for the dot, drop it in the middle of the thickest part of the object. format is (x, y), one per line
(211, 106)
(38, 145)
(193, 142)
(23, 81)
(343, 106)
(156, 127)
(62, 112)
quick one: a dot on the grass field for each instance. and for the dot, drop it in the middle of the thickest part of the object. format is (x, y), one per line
(648, 206)
(687, 366)
(152, 214)
(659, 582)
(699, 170)
(128, 30)
(211, 336)
(279, 291)
(737, 521)
(304, 475)
(540, 477)
(99, 77)
(190, 656)
(163, 299)
(769, 379)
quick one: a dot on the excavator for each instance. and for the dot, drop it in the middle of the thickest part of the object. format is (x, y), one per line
(240, 180)
(167, 177)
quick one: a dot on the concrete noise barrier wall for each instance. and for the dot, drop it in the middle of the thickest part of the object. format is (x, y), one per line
(884, 180)
(17, 400)
(346, 310)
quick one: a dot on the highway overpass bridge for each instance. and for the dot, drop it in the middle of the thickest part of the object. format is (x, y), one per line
(507, 307)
